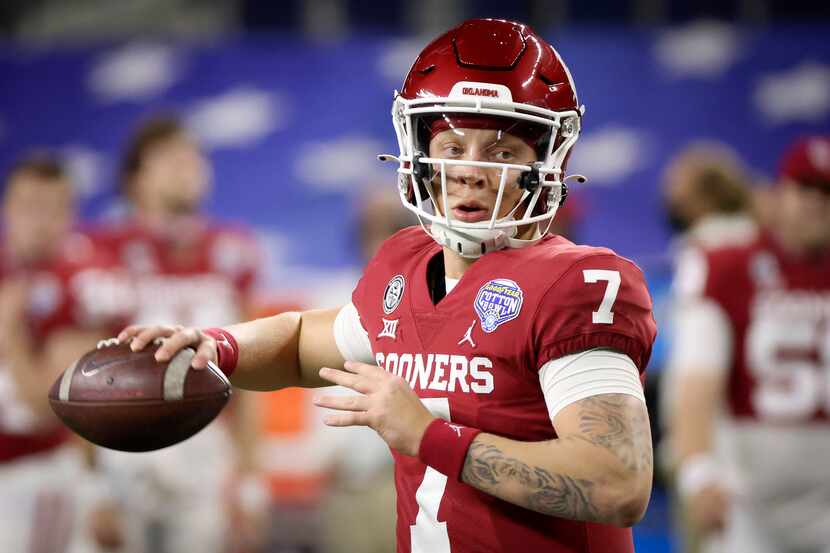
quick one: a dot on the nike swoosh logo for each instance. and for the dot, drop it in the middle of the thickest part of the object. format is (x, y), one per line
(90, 372)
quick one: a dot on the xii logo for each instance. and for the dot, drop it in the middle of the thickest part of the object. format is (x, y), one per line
(390, 328)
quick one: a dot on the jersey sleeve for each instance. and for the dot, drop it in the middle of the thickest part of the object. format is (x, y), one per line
(601, 301)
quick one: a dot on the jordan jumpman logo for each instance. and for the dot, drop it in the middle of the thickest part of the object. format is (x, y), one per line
(468, 336)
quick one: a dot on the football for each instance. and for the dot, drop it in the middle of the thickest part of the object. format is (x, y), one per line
(125, 400)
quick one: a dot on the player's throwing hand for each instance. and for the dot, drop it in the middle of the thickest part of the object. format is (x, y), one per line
(174, 338)
(387, 404)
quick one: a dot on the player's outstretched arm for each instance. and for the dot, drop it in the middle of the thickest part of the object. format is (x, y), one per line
(274, 352)
(599, 469)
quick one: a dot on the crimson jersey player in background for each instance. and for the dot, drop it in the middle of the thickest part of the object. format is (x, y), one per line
(501, 364)
(185, 268)
(51, 311)
(753, 337)
(177, 254)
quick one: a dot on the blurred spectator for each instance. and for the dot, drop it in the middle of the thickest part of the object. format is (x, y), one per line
(186, 498)
(750, 362)
(51, 311)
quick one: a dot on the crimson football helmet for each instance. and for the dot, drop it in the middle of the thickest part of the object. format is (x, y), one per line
(487, 73)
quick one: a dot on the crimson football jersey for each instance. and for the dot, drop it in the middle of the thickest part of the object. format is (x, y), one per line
(73, 290)
(474, 359)
(778, 307)
(203, 281)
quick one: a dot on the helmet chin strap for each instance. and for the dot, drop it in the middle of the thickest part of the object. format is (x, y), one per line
(473, 243)
(469, 243)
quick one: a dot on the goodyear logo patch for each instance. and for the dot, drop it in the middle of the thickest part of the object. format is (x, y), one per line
(498, 302)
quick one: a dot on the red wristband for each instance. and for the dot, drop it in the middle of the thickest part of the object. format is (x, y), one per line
(227, 350)
(444, 447)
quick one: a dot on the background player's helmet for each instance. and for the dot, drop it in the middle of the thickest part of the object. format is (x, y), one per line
(487, 73)
(807, 161)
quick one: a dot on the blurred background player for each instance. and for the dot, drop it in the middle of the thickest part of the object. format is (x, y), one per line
(51, 311)
(707, 197)
(749, 419)
(186, 267)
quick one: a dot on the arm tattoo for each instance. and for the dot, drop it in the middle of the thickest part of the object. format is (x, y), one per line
(486, 467)
(607, 421)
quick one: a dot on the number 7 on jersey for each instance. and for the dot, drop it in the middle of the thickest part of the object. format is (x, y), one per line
(604, 315)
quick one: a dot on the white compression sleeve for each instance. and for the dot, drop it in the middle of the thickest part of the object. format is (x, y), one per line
(574, 377)
(351, 338)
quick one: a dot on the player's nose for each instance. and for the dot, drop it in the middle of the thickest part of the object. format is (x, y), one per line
(472, 176)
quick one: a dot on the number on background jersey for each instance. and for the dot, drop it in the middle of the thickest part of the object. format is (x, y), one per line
(788, 389)
(604, 315)
(427, 534)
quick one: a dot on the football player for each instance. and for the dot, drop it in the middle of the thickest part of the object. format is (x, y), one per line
(51, 311)
(194, 271)
(707, 197)
(750, 366)
(501, 364)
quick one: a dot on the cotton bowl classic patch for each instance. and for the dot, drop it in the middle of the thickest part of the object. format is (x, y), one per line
(498, 302)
